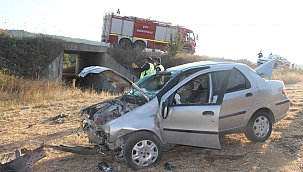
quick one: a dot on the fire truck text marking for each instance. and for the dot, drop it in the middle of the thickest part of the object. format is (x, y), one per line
(145, 31)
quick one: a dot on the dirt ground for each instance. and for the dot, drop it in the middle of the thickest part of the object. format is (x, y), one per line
(283, 151)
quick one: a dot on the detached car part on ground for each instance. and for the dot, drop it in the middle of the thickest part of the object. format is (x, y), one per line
(21, 161)
(190, 104)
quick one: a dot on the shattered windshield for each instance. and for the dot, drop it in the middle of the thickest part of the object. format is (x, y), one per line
(152, 84)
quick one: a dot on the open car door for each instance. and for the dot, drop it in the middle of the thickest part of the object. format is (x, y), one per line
(189, 123)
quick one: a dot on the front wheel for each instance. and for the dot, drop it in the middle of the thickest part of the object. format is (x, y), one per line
(259, 127)
(142, 149)
(125, 43)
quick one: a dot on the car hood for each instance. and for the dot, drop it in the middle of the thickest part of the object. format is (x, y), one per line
(266, 68)
(117, 80)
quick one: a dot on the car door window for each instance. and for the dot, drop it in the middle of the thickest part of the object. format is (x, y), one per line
(237, 81)
(194, 91)
(217, 81)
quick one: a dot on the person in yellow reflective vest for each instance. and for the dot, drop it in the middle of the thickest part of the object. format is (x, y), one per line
(147, 68)
(158, 68)
(158, 65)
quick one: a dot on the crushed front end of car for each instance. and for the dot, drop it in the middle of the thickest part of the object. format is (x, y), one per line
(97, 122)
(97, 116)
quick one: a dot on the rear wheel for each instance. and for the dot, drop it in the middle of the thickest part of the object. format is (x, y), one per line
(139, 46)
(259, 127)
(143, 149)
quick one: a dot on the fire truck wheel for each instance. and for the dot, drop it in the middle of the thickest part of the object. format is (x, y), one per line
(125, 43)
(139, 45)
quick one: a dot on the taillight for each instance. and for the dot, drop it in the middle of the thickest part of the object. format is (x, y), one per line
(284, 91)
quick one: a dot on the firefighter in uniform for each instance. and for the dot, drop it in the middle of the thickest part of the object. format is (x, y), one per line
(158, 68)
(158, 65)
(147, 68)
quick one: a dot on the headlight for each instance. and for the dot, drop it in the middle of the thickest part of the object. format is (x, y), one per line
(106, 129)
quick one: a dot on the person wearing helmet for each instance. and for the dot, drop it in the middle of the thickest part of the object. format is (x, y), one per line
(147, 68)
(158, 65)
(158, 68)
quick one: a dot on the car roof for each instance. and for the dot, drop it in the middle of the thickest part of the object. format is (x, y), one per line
(199, 64)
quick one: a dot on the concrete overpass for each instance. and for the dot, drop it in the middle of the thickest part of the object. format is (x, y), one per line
(86, 55)
(94, 55)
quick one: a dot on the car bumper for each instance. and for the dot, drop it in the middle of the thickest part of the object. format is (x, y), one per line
(280, 117)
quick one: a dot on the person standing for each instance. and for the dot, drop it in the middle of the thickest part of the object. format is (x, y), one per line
(147, 68)
(158, 65)
(260, 55)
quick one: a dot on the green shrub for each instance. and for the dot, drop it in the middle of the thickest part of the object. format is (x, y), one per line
(27, 56)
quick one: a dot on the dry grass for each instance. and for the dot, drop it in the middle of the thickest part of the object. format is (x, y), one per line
(288, 76)
(43, 100)
(282, 152)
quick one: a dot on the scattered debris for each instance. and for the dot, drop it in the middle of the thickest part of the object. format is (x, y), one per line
(30, 125)
(60, 115)
(25, 111)
(78, 149)
(57, 120)
(21, 161)
(169, 167)
(105, 167)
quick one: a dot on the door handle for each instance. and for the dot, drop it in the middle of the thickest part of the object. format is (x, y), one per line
(248, 94)
(208, 113)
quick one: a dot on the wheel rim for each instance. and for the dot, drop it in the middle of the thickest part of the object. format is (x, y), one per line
(144, 153)
(261, 127)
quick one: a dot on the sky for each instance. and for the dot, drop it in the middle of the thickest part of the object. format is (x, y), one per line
(233, 29)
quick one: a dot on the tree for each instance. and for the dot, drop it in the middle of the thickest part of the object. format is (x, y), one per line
(66, 61)
(3, 33)
(175, 44)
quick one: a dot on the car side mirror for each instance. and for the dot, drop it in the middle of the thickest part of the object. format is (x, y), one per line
(165, 109)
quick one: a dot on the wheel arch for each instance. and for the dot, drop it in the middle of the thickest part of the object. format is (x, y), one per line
(123, 39)
(141, 43)
(253, 110)
(125, 42)
(268, 111)
(132, 132)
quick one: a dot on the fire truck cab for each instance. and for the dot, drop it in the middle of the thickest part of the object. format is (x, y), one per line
(140, 33)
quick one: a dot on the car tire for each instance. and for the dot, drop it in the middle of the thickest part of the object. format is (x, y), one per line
(139, 46)
(142, 149)
(125, 43)
(259, 127)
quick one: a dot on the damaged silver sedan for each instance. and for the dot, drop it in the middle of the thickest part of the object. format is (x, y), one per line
(190, 104)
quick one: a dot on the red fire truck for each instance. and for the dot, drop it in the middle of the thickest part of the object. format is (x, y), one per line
(140, 33)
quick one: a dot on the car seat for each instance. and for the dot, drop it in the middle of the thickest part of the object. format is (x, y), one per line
(187, 95)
